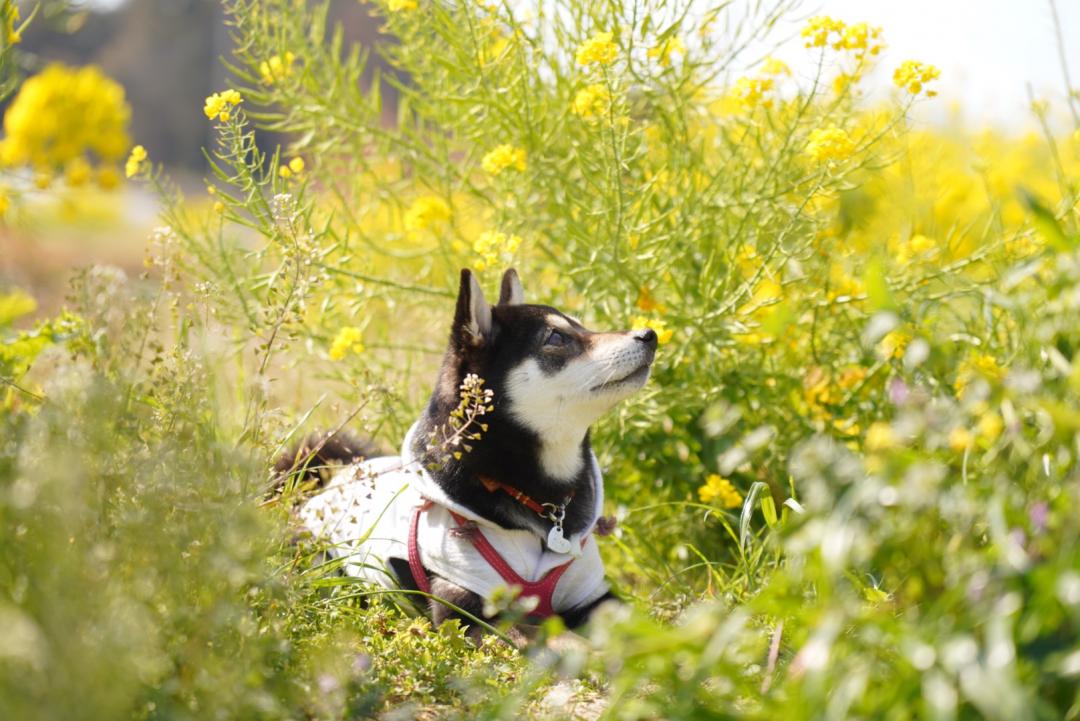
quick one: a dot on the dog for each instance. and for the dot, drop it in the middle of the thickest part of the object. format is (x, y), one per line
(496, 485)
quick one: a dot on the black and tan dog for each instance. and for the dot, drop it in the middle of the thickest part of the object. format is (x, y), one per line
(497, 484)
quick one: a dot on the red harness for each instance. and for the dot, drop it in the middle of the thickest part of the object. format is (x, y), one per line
(541, 590)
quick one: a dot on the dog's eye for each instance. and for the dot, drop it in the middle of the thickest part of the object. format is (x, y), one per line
(556, 339)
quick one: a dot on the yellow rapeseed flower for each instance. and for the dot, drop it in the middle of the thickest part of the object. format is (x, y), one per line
(426, 211)
(719, 489)
(662, 51)
(748, 93)
(502, 157)
(599, 49)
(829, 144)
(277, 68)
(492, 246)
(861, 39)
(135, 160)
(294, 167)
(592, 101)
(346, 341)
(819, 30)
(960, 439)
(880, 436)
(220, 105)
(775, 66)
(108, 177)
(975, 366)
(912, 76)
(397, 6)
(663, 333)
(61, 119)
(5, 201)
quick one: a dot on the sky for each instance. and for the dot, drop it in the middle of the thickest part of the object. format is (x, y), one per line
(988, 51)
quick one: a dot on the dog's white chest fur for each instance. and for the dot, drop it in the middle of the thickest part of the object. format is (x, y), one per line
(364, 515)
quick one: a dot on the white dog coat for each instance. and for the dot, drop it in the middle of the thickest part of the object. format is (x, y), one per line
(366, 510)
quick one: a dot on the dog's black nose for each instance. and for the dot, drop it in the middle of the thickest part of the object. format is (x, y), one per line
(646, 336)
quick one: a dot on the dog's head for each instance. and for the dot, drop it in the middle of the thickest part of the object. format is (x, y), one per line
(551, 376)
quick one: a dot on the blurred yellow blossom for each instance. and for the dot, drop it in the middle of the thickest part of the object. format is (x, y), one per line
(61, 119)
(220, 105)
(5, 201)
(880, 436)
(975, 366)
(663, 333)
(426, 211)
(960, 439)
(717, 488)
(820, 29)
(108, 177)
(663, 50)
(895, 343)
(599, 49)
(990, 426)
(346, 341)
(860, 38)
(492, 246)
(775, 66)
(829, 144)
(502, 157)
(276, 68)
(913, 76)
(748, 93)
(135, 160)
(592, 101)
(397, 6)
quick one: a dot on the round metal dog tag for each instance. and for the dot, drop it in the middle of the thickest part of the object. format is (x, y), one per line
(557, 542)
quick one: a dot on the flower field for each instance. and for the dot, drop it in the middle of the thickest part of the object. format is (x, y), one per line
(850, 489)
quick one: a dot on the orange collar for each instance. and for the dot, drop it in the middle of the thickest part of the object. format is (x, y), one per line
(547, 510)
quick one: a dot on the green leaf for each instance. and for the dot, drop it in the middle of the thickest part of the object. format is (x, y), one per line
(877, 289)
(1047, 225)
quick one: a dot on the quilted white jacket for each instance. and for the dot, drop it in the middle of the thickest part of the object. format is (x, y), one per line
(364, 515)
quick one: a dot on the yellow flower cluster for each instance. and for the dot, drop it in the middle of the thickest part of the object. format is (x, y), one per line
(135, 160)
(11, 19)
(492, 245)
(600, 49)
(913, 76)
(829, 144)
(662, 51)
(277, 68)
(717, 488)
(426, 211)
(64, 119)
(775, 66)
(663, 333)
(347, 341)
(860, 38)
(592, 101)
(748, 93)
(502, 157)
(397, 6)
(220, 105)
(975, 366)
(295, 167)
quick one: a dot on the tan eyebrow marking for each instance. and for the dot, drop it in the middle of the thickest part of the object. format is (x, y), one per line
(558, 321)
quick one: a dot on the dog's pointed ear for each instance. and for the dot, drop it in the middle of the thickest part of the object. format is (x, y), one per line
(472, 319)
(511, 292)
